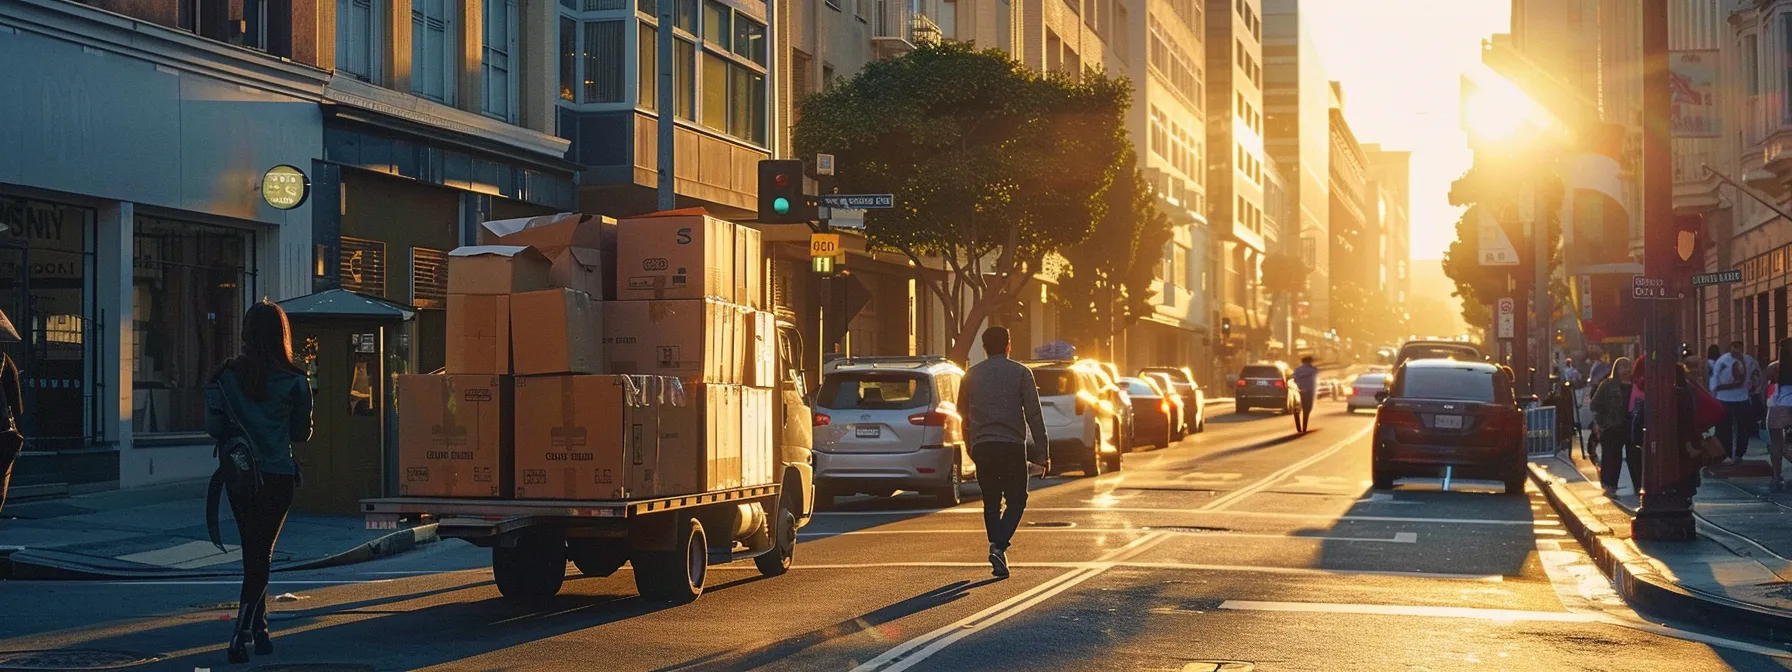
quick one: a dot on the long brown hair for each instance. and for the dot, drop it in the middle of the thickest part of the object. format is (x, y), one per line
(267, 346)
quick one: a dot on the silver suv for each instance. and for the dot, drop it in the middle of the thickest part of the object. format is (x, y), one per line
(884, 424)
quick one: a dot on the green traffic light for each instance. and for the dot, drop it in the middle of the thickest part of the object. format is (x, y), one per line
(781, 205)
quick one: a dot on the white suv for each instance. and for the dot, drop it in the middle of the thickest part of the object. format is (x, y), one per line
(1082, 423)
(884, 424)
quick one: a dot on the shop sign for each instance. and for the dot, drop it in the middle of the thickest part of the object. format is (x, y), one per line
(363, 268)
(285, 187)
(1692, 78)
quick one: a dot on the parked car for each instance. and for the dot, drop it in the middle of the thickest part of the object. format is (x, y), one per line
(1156, 412)
(1440, 413)
(1083, 425)
(1266, 385)
(1458, 350)
(1361, 391)
(1178, 410)
(1122, 405)
(1194, 400)
(884, 424)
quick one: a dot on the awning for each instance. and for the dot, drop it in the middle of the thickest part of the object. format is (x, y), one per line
(344, 304)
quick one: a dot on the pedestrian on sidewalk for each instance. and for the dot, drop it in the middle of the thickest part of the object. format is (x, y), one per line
(1306, 377)
(1000, 404)
(1730, 379)
(1757, 393)
(12, 441)
(1779, 412)
(259, 396)
(1611, 413)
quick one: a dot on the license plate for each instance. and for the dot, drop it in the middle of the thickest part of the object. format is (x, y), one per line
(1261, 383)
(1448, 422)
(867, 432)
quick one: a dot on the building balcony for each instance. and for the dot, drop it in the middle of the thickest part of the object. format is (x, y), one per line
(923, 30)
(1695, 188)
(892, 29)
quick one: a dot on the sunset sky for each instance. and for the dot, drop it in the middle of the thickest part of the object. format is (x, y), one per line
(1400, 62)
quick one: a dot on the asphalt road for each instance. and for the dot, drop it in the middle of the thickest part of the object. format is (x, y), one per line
(1244, 544)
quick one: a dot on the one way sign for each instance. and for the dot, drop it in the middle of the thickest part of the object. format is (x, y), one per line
(1495, 247)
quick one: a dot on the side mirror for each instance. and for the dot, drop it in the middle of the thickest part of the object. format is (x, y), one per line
(1381, 396)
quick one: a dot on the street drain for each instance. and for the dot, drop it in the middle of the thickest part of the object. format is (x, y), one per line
(313, 667)
(74, 659)
(1188, 529)
(1051, 523)
(1218, 666)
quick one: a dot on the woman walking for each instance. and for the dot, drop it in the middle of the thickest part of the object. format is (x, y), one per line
(1779, 411)
(263, 398)
(1611, 412)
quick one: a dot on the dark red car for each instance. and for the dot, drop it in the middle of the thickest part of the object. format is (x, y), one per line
(1441, 413)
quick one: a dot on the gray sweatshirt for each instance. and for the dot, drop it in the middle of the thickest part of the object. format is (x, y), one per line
(1000, 403)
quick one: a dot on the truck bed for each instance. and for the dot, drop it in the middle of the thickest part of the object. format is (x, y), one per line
(386, 513)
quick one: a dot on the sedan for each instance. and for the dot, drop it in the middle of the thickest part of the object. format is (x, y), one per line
(1448, 415)
(1153, 411)
(1361, 391)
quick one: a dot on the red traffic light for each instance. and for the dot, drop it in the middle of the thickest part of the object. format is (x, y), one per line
(781, 180)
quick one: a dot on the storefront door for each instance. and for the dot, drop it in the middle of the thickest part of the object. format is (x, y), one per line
(345, 460)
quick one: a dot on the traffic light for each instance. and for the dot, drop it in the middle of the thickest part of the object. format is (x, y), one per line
(1226, 327)
(781, 199)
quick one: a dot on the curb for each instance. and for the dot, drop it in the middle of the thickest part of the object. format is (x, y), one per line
(1641, 585)
(51, 565)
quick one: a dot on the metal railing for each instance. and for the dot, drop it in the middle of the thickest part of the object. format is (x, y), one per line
(890, 19)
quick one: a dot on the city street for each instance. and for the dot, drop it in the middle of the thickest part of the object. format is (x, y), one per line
(1243, 544)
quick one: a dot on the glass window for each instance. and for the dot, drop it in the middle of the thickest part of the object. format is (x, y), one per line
(433, 56)
(188, 289)
(749, 39)
(715, 93)
(870, 392)
(1462, 384)
(1140, 388)
(604, 62)
(499, 43)
(357, 33)
(686, 18)
(569, 58)
(1786, 58)
(684, 76)
(740, 101)
(44, 249)
(648, 7)
(1269, 372)
(1054, 382)
(717, 31)
(647, 76)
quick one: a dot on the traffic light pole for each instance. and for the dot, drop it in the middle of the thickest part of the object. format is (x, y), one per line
(667, 113)
(1666, 508)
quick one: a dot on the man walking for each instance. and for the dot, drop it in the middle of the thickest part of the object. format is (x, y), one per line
(1306, 378)
(1730, 379)
(1000, 404)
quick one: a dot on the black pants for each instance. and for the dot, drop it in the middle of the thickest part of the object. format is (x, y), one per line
(7, 457)
(1615, 449)
(1737, 428)
(258, 523)
(1303, 418)
(1002, 475)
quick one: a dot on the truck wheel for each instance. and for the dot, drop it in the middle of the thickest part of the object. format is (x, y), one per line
(777, 561)
(597, 557)
(947, 496)
(533, 569)
(677, 575)
(1515, 485)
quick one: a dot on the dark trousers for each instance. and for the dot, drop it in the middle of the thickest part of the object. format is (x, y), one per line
(1002, 475)
(1615, 449)
(258, 523)
(7, 457)
(1737, 428)
(1303, 419)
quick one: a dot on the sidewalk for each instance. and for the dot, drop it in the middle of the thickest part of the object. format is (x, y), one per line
(1736, 577)
(159, 532)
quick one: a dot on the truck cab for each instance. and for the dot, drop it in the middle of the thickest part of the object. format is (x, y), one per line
(796, 443)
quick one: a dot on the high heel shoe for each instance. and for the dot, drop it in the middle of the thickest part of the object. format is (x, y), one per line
(243, 635)
(264, 644)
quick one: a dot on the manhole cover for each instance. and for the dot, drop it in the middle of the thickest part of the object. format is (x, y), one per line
(1188, 529)
(1051, 523)
(313, 667)
(73, 659)
(1218, 666)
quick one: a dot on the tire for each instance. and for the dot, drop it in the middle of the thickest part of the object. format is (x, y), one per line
(1111, 463)
(1092, 461)
(1350, 409)
(1382, 478)
(777, 561)
(677, 575)
(1515, 486)
(597, 557)
(1241, 408)
(534, 569)
(948, 496)
(1201, 424)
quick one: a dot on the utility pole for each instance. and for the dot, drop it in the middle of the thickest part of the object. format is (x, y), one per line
(1540, 300)
(1666, 511)
(667, 105)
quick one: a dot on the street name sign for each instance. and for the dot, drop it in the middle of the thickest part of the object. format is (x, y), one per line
(1495, 247)
(1718, 278)
(1644, 287)
(858, 201)
(1508, 316)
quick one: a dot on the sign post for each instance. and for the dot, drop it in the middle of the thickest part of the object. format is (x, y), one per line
(1507, 318)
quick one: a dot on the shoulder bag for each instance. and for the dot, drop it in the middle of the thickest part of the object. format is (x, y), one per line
(238, 470)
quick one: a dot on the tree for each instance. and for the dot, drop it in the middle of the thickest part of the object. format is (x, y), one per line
(1107, 286)
(993, 166)
(1493, 186)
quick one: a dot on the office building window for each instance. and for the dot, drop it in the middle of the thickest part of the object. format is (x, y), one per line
(684, 77)
(358, 39)
(434, 61)
(715, 92)
(499, 44)
(647, 73)
(749, 39)
(255, 24)
(686, 15)
(604, 61)
(569, 59)
(716, 29)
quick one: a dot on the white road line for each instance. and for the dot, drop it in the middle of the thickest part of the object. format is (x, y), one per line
(1399, 537)
(1315, 571)
(1502, 615)
(1207, 512)
(1222, 502)
(915, 650)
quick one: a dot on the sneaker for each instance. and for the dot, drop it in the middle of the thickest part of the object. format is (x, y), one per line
(998, 563)
(1776, 486)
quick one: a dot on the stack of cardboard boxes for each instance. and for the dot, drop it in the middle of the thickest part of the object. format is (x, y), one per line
(552, 392)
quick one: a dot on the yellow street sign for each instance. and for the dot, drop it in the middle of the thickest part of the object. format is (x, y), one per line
(824, 245)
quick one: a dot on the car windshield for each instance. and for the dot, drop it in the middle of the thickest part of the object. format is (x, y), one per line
(1439, 351)
(1451, 383)
(1138, 388)
(1054, 382)
(1370, 380)
(1176, 375)
(1261, 372)
(875, 391)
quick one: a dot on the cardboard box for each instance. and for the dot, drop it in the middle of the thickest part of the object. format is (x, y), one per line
(749, 267)
(478, 334)
(556, 331)
(695, 340)
(675, 257)
(758, 448)
(576, 246)
(578, 437)
(759, 356)
(454, 436)
(496, 269)
(700, 447)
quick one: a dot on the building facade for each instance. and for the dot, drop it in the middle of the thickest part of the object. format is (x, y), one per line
(1348, 220)
(1389, 184)
(1297, 134)
(1235, 170)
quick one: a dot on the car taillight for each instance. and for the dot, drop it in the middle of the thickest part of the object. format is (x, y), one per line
(822, 420)
(1350, 391)
(1241, 382)
(1164, 406)
(1397, 417)
(1281, 384)
(928, 419)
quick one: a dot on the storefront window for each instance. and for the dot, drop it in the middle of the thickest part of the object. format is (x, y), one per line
(190, 284)
(43, 289)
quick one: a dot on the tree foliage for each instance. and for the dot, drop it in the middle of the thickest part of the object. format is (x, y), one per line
(1284, 274)
(1365, 316)
(1108, 285)
(993, 166)
(1494, 188)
